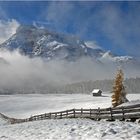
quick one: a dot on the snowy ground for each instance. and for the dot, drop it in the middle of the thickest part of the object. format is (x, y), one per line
(26, 105)
(23, 106)
(71, 129)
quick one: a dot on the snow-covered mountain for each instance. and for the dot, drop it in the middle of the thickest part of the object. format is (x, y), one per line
(35, 41)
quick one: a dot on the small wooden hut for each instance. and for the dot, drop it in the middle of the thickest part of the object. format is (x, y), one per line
(97, 92)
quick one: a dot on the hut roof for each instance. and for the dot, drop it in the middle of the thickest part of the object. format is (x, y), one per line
(96, 90)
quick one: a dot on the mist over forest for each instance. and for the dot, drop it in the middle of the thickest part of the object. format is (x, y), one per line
(132, 85)
(22, 74)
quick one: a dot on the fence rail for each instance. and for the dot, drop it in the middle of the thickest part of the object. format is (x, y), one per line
(125, 112)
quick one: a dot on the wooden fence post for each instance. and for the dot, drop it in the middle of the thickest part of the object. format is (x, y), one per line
(98, 114)
(61, 115)
(55, 115)
(39, 118)
(74, 113)
(123, 118)
(111, 113)
(81, 112)
(35, 118)
(45, 116)
(49, 115)
(66, 113)
(42, 117)
(30, 119)
(90, 112)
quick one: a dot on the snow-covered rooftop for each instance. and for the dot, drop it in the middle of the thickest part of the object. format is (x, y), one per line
(96, 90)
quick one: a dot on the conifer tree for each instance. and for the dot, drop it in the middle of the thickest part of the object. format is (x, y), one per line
(119, 93)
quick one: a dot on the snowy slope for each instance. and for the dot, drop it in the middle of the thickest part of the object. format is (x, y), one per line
(65, 129)
(25, 105)
(108, 56)
(35, 41)
(21, 105)
(3, 121)
(71, 129)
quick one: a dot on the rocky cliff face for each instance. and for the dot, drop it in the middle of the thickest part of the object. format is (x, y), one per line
(38, 42)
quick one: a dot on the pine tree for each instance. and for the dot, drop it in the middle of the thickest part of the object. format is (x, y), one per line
(119, 93)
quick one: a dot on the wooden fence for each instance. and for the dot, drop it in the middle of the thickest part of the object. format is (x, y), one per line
(131, 112)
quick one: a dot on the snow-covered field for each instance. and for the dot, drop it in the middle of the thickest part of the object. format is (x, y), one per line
(26, 105)
(22, 106)
(71, 129)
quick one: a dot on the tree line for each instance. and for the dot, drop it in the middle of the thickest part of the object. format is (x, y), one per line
(132, 85)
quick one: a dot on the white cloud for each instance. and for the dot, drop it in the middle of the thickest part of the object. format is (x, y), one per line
(7, 29)
(105, 22)
(92, 44)
(21, 72)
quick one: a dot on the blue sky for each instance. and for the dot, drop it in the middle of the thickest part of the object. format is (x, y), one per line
(114, 26)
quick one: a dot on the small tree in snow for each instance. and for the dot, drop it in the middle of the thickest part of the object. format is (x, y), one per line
(119, 93)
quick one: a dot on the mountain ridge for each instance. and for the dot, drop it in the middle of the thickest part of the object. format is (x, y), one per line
(34, 41)
(40, 42)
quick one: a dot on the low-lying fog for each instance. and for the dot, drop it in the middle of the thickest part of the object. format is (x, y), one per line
(21, 72)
